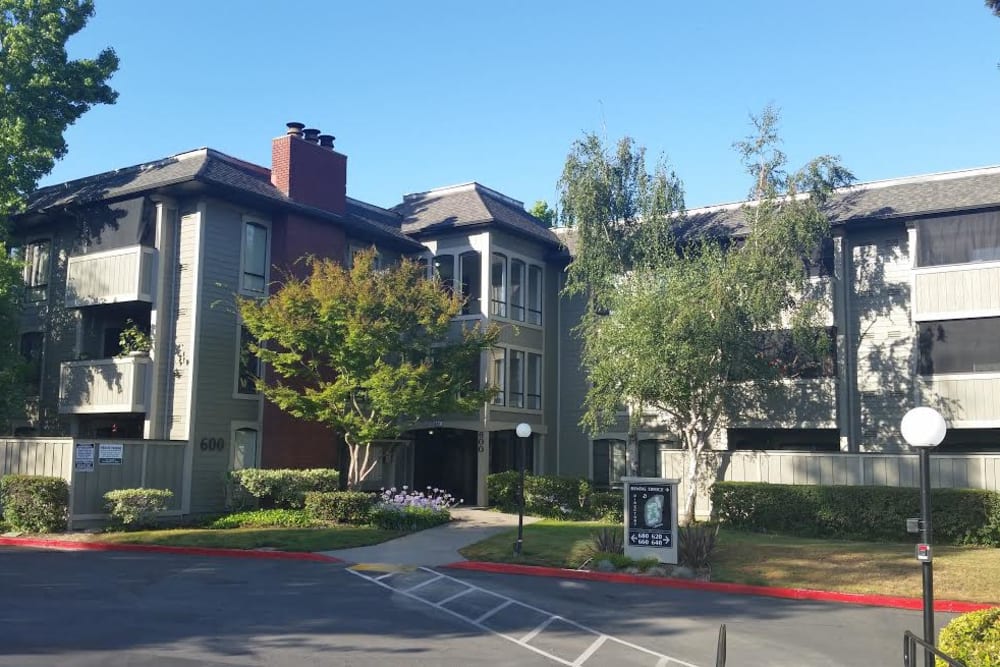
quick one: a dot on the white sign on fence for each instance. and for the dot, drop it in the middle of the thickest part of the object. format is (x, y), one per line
(110, 453)
(83, 457)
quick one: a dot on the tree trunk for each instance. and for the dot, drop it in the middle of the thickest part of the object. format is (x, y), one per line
(695, 446)
(632, 453)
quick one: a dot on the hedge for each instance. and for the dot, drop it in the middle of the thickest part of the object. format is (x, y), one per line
(34, 504)
(973, 638)
(392, 517)
(554, 497)
(134, 508)
(282, 488)
(353, 507)
(872, 513)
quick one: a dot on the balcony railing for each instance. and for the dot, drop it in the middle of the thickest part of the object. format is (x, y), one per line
(104, 385)
(963, 290)
(112, 276)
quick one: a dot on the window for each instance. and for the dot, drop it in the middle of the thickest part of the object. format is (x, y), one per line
(249, 365)
(789, 439)
(609, 462)
(499, 376)
(534, 384)
(469, 269)
(535, 294)
(444, 270)
(112, 344)
(254, 258)
(959, 239)
(821, 261)
(31, 351)
(244, 448)
(36, 270)
(498, 285)
(517, 289)
(649, 458)
(516, 383)
(354, 248)
(959, 346)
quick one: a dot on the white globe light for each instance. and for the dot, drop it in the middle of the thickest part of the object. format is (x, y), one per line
(923, 427)
(523, 430)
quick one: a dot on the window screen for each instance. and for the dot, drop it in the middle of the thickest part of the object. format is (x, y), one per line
(959, 239)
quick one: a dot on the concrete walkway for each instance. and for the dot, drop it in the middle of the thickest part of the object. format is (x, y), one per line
(435, 546)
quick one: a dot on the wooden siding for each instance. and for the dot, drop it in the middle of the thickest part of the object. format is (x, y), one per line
(52, 457)
(967, 401)
(104, 385)
(974, 471)
(154, 464)
(969, 291)
(179, 394)
(217, 348)
(110, 277)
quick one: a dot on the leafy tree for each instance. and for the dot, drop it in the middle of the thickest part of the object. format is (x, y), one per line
(993, 6)
(367, 352)
(42, 92)
(542, 211)
(681, 330)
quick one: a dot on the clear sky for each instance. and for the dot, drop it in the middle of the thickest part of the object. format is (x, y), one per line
(426, 94)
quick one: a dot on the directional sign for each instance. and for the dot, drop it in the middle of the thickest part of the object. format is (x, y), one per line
(651, 514)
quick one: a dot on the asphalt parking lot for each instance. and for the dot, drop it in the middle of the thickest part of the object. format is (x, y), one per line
(116, 609)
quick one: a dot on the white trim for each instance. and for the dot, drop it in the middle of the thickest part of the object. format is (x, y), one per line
(196, 276)
(956, 315)
(950, 268)
(930, 379)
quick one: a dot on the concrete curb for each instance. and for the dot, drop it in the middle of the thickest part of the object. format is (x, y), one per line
(720, 587)
(68, 545)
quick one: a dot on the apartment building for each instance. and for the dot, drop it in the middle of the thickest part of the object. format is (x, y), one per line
(911, 278)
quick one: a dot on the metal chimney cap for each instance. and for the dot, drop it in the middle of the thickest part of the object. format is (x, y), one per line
(311, 134)
(326, 140)
(295, 129)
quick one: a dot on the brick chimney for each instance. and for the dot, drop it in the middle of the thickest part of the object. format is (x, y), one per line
(305, 167)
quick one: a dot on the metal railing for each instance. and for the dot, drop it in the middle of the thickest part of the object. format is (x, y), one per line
(911, 655)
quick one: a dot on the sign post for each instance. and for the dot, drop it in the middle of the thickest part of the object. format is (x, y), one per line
(651, 518)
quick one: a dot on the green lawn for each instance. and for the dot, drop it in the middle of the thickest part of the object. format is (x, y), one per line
(960, 573)
(284, 539)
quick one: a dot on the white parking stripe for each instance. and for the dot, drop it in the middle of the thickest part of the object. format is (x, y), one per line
(500, 606)
(598, 643)
(662, 659)
(455, 596)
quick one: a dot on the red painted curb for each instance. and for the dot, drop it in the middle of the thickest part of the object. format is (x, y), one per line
(720, 587)
(67, 545)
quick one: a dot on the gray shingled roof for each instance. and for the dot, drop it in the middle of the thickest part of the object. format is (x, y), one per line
(214, 169)
(465, 205)
(880, 200)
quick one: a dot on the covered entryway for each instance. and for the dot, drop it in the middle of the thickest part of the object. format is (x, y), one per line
(446, 458)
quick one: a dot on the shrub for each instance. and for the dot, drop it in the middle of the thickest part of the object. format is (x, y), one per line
(34, 504)
(608, 541)
(607, 506)
(972, 638)
(544, 495)
(695, 545)
(133, 508)
(264, 519)
(353, 507)
(283, 488)
(875, 513)
(394, 517)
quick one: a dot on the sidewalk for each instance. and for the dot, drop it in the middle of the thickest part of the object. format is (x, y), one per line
(436, 546)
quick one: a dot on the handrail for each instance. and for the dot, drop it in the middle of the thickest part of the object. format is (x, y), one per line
(910, 642)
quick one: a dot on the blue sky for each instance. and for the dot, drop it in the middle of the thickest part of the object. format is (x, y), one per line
(427, 94)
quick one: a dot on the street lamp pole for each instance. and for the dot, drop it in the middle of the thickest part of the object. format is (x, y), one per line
(523, 433)
(925, 428)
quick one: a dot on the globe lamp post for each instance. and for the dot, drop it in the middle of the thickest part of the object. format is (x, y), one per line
(523, 431)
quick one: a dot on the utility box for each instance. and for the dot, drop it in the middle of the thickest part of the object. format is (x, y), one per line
(651, 518)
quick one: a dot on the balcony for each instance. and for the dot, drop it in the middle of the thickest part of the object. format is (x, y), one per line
(968, 400)
(112, 276)
(958, 291)
(98, 386)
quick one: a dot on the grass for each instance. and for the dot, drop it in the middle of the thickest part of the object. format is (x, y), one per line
(960, 573)
(284, 539)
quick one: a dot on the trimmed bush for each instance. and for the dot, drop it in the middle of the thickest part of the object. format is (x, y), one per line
(972, 638)
(871, 513)
(607, 506)
(34, 504)
(264, 519)
(544, 495)
(134, 508)
(353, 507)
(393, 517)
(284, 488)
